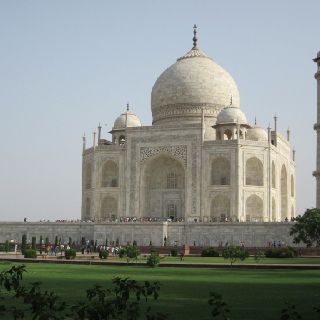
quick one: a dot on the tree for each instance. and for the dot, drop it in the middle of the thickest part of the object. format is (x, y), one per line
(24, 244)
(33, 243)
(307, 228)
(234, 253)
(40, 242)
(132, 252)
(153, 260)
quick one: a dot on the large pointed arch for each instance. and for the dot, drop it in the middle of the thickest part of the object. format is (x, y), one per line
(284, 192)
(220, 171)
(254, 208)
(163, 187)
(109, 208)
(220, 208)
(110, 174)
(254, 172)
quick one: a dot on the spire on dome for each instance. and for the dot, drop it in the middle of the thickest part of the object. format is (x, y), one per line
(128, 107)
(230, 100)
(195, 39)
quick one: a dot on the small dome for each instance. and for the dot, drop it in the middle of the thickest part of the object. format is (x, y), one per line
(127, 119)
(257, 134)
(231, 114)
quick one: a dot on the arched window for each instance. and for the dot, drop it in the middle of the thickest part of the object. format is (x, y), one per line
(292, 211)
(122, 140)
(88, 176)
(227, 134)
(274, 214)
(254, 172)
(273, 175)
(284, 193)
(172, 211)
(220, 171)
(109, 208)
(292, 186)
(110, 174)
(220, 208)
(171, 181)
(254, 209)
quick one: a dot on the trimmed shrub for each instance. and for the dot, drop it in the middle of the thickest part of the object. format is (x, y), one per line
(2, 248)
(174, 252)
(287, 252)
(122, 252)
(234, 253)
(33, 243)
(29, 253)
(103, 254)
(153, 260)
(209, 252)
(70, 253)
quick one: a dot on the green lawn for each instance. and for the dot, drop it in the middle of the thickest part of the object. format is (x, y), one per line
(251, 294)
(249, 260)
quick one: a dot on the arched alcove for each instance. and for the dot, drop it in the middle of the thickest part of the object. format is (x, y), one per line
(254, 208)
(284, 193)
(88, 176)
(227, 134)
(273, 175)
(292, 186)
(254, 172)
(109, 208)
(220, 208)
(220, 171)
(87, 206)
(274, 213)
(163, 181)
(110, 174)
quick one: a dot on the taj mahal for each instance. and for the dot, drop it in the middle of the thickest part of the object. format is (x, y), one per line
(199, 161)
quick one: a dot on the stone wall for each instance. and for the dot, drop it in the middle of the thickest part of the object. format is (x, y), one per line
(199, 234)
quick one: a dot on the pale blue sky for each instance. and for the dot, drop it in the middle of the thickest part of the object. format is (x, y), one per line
(65, 66)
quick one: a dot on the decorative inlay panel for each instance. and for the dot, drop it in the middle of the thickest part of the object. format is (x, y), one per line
(178, 152)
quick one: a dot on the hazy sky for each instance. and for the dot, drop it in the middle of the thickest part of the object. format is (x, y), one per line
(65, 66)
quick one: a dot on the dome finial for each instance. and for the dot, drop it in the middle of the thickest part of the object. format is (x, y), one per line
(128, 107)
(195, 39)
(255, 121)
(230, 100)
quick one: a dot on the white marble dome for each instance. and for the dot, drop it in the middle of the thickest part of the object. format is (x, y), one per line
(257, 133)
(231, 114)
(194, 82)
(127, 119)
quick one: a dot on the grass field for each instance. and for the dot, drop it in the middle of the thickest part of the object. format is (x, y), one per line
(251, 294)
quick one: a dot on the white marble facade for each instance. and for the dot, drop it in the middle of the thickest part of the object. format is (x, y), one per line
(200, 160)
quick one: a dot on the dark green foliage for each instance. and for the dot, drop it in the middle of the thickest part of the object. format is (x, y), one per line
(134, 243)
(106, 242)
(83, 241)
(30, 253)
(23, 244)
(103, 254)
(33, 243)
(122, 252)
(117, 242)
(70, 253)
(209, 252)
(2, 248)
(153, 260)
(55, 241)
(307, 228)
(70, 242)
(7, 246)
(174, 252)
(234, 253)
(286, 252)
(290, 312)
(132, 252)
(219, 307)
